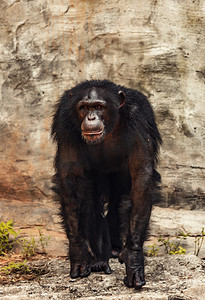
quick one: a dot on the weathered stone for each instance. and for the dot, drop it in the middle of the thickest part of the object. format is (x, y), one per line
(168, 278)
(170, 221)
(197, 291)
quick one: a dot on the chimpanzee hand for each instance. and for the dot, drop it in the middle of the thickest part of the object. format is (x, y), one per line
(134, 267)
(86, 262)
(79, 269)
(98, 266)
(84, 269)
(80, 258)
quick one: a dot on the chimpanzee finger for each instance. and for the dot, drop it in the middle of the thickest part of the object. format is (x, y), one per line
(128, 282)
(120, 260)
(85, 271)
(121, 257)
(139, 280)
(129, 279)
(75, 271)
(107, 269)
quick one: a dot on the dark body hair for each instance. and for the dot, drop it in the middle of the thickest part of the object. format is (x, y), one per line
(106, 182)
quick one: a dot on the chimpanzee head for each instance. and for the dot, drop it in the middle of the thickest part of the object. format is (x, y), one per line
(98, 111)
(90, 110)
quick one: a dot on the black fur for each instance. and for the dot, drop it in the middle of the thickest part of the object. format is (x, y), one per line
(106, 190)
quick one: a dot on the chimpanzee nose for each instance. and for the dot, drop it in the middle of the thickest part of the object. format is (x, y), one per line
(91, 117)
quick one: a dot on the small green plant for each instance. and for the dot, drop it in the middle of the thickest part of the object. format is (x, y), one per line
(13, 267)
(198, 242)
(173, 246)
(43, 240)
(6, 242)
(30, 246)
(153, 249)
(180, 250)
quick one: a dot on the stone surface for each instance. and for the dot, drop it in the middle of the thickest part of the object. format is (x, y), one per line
(169, 222)
(48, 46)
(168, 278)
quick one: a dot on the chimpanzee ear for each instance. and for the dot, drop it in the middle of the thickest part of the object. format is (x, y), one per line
(122, 98)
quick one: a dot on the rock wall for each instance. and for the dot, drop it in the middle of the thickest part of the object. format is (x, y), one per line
(48, 46)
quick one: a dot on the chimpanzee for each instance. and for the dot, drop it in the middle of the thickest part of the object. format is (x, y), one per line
(106, 182)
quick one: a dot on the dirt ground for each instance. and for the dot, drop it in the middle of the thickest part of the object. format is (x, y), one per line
(175, 277)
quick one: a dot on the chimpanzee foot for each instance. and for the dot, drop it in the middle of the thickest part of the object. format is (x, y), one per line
(134, 262)
(101, 266)
(78, 270)
(135, 278)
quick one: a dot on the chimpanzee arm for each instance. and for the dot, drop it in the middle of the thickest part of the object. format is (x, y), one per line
(141, 170)
(72, 192)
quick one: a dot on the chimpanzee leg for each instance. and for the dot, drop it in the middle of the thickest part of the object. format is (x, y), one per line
(99, 235)
(132, 254)
(100, 243)
(72, 195)
(120, 184)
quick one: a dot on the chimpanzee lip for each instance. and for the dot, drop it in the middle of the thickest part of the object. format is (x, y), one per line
(92, 132)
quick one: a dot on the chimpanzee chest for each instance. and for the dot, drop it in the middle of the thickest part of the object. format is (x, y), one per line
(106, 158)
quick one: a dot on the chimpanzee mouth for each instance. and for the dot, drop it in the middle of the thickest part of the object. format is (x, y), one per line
(93, 137)
(87, 133)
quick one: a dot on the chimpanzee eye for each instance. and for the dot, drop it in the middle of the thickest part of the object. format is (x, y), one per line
(99, 106)
(83, 107)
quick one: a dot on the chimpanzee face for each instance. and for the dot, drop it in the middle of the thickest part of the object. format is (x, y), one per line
(95, 115)
(92, 113)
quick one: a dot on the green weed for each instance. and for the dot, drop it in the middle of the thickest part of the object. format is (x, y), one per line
(198, 242)
(153, 249)
(30, 246)
(8, 236)
(13, 267)
(43, 240)
(173, 246)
